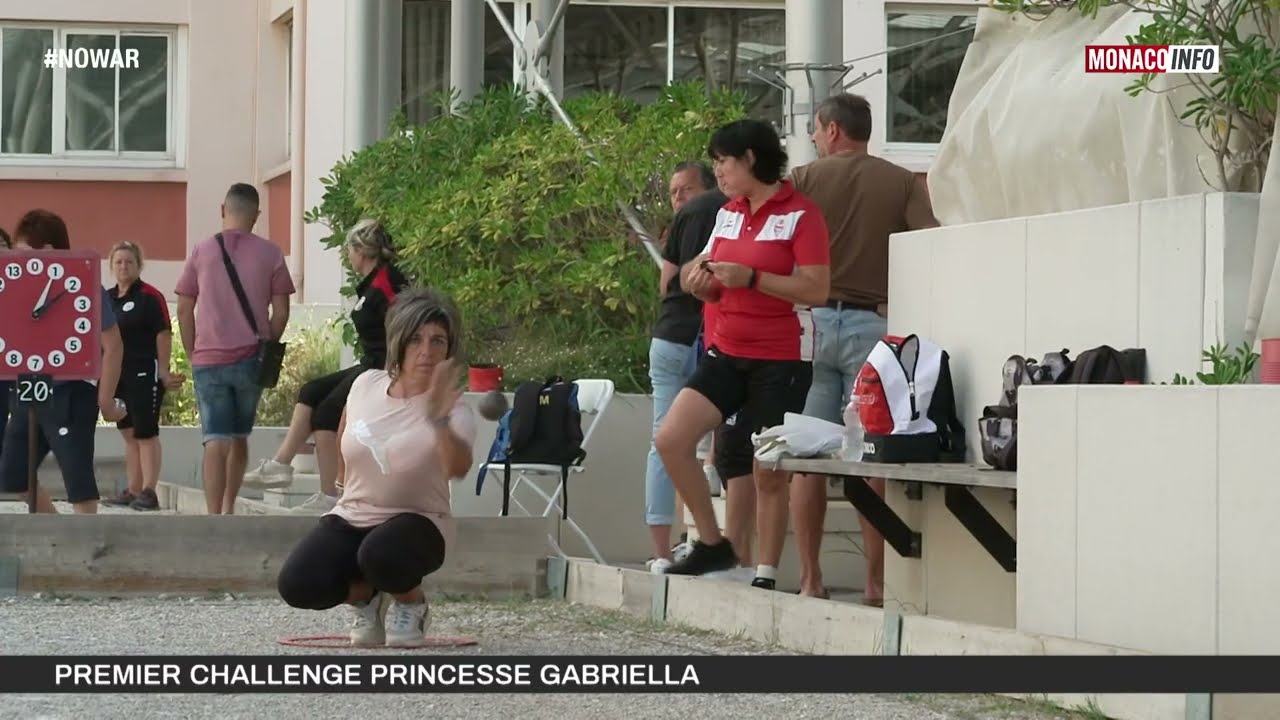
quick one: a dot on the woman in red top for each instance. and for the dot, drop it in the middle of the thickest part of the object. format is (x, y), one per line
(766, 263)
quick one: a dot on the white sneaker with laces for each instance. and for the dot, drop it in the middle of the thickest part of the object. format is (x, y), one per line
(406, 624)
(658, 566)
(366, 625)
(269, 474)
(317, 504)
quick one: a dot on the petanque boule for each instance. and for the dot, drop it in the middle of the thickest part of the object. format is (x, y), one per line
(493, 405)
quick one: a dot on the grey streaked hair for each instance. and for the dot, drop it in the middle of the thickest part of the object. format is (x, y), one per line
(415, 307)
(372, 240)
(705, 174)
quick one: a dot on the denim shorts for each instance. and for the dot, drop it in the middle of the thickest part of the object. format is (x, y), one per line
(227, 399)
(844, 340)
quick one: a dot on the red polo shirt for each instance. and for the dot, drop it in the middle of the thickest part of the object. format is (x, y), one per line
(786, 232)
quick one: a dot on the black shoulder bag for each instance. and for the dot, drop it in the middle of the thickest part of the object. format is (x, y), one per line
(270, 352)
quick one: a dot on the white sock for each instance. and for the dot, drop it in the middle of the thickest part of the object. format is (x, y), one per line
(767, 572)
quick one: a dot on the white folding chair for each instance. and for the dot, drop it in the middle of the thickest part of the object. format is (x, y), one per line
(593, 399)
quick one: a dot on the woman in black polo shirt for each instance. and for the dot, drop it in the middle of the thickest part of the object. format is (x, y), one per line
(321, 401)
(143, 316)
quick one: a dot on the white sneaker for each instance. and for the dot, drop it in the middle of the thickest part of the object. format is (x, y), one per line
(269, 474)
(366, 626)
(317, 504)
(681, 551)
(406, 624)
(658, 566)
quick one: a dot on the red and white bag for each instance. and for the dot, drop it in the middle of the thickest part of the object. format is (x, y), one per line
(907, 404)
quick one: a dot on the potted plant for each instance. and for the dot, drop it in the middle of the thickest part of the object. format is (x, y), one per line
(484, 377)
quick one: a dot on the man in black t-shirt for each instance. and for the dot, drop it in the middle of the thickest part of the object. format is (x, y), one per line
(672, 353)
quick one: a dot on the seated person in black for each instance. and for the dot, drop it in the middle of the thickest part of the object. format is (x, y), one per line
(142, 315)
(321, 401)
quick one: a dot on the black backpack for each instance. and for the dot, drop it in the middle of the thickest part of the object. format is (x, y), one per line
(545, 428)
(1103, 365)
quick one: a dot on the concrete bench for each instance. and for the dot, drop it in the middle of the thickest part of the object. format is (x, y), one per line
(956, 478)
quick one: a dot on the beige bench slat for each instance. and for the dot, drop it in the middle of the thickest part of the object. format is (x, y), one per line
(936, 473)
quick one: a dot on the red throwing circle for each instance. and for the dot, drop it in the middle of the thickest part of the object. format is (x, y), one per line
(342, 642)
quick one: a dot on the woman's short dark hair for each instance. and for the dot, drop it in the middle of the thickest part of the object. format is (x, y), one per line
(41, 229)
(414, 308)
(736, 138)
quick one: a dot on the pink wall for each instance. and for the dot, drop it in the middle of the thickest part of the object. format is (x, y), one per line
(101, 213)
(278, 206)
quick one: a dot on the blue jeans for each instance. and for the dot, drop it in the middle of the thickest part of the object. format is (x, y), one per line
(670, 366)
(227, 399)
(843, 340)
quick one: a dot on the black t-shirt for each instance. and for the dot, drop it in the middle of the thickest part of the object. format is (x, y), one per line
(680, 316)
(142, 314)
(377, 293)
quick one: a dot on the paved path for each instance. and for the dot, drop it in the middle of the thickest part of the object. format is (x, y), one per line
(222, 625)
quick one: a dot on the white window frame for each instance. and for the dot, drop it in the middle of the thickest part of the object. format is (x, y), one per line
(174, 109)
(521, 19)
(918, 157)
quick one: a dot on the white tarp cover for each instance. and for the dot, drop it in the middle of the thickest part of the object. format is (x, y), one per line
(1030, 133)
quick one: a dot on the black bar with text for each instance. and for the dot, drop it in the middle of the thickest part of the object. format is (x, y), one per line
(624, 674)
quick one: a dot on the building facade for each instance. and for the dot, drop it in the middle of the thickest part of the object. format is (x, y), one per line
(274, 92)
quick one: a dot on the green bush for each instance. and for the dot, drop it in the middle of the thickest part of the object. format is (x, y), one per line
(312, 352)
(500, 207)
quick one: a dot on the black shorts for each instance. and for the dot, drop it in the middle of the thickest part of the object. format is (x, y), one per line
(327, 397)
(734, 453)
(143, 396)
(760, 392)
(67, 424)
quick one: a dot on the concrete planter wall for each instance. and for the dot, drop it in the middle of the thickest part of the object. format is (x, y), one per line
(1171, 276)
(1147, 516)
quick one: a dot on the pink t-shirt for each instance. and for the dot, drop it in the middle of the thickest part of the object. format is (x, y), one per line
(392, 457)
(223, 335)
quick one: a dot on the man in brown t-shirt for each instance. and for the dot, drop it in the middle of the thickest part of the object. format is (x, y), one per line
(864, 199)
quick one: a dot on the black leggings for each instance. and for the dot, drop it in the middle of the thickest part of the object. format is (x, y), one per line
(392, 557)
(327, 397)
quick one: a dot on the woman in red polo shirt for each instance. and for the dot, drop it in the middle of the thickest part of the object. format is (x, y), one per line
(766, 263)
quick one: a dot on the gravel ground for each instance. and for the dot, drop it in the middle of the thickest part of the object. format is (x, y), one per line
(228, 626)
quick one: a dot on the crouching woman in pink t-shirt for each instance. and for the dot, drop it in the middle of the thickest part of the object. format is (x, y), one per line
(405, 434)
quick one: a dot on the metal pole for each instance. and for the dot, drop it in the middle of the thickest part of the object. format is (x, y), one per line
(542, 86)
(813, 38)
(33, 444)
(360, 89)
(466, 50)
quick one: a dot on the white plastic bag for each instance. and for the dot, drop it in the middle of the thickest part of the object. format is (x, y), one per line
(797, 436)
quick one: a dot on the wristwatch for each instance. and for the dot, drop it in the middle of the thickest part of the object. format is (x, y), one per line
(752, 282)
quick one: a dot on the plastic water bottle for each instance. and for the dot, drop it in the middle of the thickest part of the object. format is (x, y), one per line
(851, 447)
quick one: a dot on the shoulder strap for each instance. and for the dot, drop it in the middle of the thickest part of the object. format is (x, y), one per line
(235, 285)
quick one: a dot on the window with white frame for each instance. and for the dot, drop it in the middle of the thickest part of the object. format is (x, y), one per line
(926, 49)
(90, 113)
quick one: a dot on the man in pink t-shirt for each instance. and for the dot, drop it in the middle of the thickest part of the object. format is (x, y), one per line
(220, 342)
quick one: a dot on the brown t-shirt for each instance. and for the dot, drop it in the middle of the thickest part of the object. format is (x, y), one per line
(865, 199)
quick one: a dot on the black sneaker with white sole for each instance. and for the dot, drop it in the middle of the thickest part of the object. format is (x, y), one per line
(704, 558)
